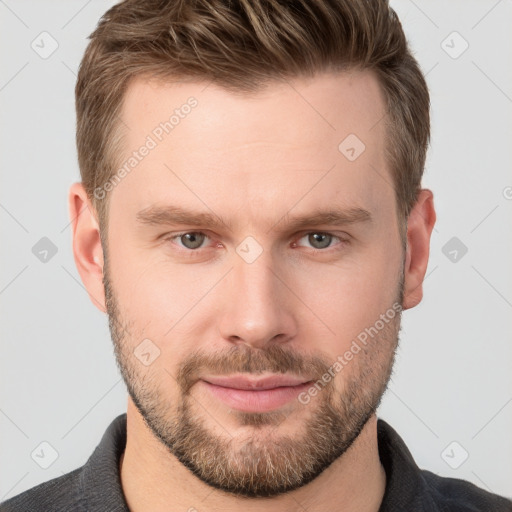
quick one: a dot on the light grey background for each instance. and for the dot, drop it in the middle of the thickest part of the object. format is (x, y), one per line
(453, 379)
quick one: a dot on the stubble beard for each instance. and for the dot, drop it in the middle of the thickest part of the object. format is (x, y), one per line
(264, 462)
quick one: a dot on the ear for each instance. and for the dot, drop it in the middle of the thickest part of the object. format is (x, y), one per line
(419, 228)
(87, 249)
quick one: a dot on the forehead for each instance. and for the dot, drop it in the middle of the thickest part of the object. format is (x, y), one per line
(307, 140)
(329, 105)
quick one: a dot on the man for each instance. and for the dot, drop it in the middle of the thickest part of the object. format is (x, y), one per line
(252, 220)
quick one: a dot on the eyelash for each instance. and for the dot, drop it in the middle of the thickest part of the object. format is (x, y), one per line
(192, 252)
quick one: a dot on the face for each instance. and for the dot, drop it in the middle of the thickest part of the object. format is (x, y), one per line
(254, 274)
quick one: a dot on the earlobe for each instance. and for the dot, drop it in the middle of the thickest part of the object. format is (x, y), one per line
(87, 248)
(419, 229)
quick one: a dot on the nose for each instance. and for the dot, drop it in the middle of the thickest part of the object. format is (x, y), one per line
(257, 306)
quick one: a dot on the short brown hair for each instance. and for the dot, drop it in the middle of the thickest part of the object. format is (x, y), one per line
(241, 45)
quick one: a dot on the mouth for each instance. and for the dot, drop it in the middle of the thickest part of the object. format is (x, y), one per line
(255, 395)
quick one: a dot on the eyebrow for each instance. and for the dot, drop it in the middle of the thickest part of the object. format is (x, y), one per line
(174, 215)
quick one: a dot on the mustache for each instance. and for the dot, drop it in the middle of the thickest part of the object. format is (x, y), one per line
(243, 359)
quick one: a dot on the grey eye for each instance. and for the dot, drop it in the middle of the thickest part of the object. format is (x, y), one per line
(192, 240)
(320, 240)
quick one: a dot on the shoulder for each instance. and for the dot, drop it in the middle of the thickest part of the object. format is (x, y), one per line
(457, 495)
(56, 495)
(95, 486)
(410, 488)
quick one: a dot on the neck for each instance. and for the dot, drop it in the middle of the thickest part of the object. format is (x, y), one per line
(154, 480)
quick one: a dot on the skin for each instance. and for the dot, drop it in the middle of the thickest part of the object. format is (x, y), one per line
(251, 160)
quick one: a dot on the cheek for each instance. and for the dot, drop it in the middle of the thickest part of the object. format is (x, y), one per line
(351, 296)
(162, 302)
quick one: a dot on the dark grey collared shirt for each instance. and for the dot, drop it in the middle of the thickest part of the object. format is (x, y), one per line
(96, 486)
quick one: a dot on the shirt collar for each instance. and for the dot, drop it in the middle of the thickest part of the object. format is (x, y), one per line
(100, 482)
(406, 488)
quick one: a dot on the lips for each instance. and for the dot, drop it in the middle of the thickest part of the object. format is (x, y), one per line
(250, 394)
(245, 383)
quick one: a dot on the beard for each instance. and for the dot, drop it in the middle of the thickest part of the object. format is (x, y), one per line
(261, 461)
